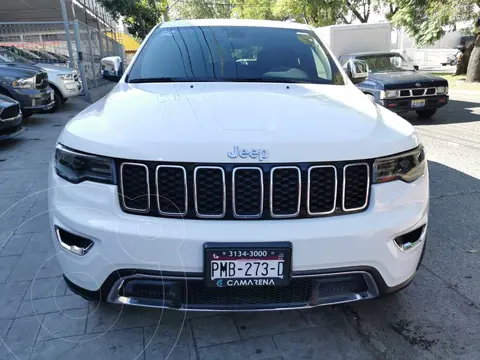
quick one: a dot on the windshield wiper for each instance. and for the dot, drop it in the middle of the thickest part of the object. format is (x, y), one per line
(274, 80)
(158, 80)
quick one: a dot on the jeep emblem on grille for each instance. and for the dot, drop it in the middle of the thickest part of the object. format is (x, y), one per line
(260, 154)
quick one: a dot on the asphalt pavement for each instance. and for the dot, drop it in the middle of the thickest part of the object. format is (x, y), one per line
(436, 317)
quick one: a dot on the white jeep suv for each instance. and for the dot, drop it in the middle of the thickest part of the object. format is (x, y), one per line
(205, 182)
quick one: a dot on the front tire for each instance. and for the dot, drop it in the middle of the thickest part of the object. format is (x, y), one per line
(426, 114)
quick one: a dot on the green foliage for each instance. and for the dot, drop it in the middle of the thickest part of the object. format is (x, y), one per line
(140, 16)
(204, 9)
(427, 20)
(254, 9)
(313, 12)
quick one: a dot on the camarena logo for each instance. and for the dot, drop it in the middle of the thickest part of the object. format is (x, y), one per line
(248, 282)
(220, 283)
(260, 154)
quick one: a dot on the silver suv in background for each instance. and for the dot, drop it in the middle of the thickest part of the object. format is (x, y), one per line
(64, 81)
(28, 85)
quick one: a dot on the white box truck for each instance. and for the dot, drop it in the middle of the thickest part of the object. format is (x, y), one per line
(348, 39)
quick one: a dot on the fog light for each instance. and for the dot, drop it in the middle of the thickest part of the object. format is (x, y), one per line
(73, 243)
(411, 239)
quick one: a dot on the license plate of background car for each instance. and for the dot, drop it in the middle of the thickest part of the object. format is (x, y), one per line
(418, 103)
(250, 264)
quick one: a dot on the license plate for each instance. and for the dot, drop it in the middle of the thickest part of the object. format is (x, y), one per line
(418, 103)
(251, 264)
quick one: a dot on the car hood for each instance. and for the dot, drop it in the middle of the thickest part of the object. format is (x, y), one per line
(202, 122)
(55, 68)
(407, 79)
(6, 101)
(13, 69)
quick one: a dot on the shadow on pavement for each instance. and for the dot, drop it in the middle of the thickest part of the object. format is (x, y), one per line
(439, 312)
(456, 111)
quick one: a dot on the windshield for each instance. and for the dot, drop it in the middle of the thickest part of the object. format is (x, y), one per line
(9, 57)
(43, 55)
(23, 53)
(234, 53)
(386, 62)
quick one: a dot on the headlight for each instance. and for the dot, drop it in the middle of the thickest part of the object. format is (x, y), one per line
(77, 167)
(441, 90)
(408, 166)
(21, 83)
(65, 76)
(389, 94)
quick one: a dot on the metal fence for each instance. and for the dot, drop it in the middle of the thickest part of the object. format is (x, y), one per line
(80, 46)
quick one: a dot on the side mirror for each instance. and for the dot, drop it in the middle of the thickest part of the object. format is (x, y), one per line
(112, 68)
(357, 70)
(416, 67)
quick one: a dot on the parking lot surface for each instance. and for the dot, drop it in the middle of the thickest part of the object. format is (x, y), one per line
(436, 317)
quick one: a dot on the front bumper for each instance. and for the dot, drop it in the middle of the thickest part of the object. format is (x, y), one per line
(126, 245)
(11, 128)
(34, 99)
(69, 88)
(405, 104)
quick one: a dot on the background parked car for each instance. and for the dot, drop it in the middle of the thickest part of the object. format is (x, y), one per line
(10, 118)
(64, 81)
(452, 59)
(60, 56)
(34, 57)
(49, 57)
(28, 85)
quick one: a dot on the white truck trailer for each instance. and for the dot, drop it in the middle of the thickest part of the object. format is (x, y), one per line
(348, 39)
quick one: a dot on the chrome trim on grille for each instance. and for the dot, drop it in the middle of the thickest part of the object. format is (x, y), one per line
(335, 194)
(208, 216)
(272, 214)
(148, 187)
(158, 191)
(368, 187)
(115, 298)
(423, 94)
(261, 195)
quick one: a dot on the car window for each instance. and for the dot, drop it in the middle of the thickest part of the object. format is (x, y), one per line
(387, 62)
(11, 57)
(234, 53)
(343, 60)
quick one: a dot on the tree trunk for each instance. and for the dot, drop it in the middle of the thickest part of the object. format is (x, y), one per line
(463, 64)
(473, 71)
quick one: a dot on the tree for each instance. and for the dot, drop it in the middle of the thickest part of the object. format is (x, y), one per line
(140, 16)
(427, 20)
(204, 9)
(328, 12)
(254, 9)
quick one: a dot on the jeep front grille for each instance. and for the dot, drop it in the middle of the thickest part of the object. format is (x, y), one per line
(234, 191)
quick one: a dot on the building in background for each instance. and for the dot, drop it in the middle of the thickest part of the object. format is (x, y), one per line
(130, 44)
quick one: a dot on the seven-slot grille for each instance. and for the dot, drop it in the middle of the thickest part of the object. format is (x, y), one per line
(228, 191)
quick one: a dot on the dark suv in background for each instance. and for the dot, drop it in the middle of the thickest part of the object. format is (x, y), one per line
(28, 85)
(10, 118)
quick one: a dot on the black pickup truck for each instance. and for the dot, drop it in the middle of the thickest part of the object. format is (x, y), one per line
(396, 84)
